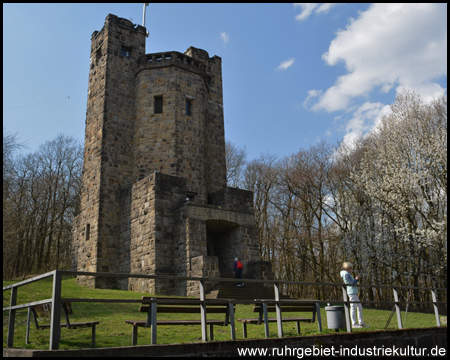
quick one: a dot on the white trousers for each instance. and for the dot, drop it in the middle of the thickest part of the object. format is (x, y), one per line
(353, 308)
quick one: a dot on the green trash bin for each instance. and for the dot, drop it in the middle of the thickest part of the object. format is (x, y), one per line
(335, 317)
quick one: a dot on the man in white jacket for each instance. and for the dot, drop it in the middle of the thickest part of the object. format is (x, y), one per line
(352, 292)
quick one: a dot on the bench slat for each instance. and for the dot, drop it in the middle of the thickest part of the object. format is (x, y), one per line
(72, 325)
(176, 322)
(166, 301)
(184, 310)
(285, 302)
(255, 321)
(45, 310)
(258, 308)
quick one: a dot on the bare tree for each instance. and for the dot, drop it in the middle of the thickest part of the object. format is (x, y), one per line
(236, 161)
(306, 179)
(43, 197)
(10, 147)
(259, 177)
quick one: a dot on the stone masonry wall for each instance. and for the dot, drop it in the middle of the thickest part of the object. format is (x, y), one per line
(191, 146)
(142, 236)
(172, 142)
(107, 163)
(215, 151)
(155, 225)
(125, 45)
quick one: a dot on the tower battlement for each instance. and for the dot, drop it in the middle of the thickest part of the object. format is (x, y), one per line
(121, 22)
(169, 59)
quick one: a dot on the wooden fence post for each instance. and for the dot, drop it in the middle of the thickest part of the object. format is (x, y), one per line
(12, 317)
(27, 338)
(436, 310)
(203, 311)
(278, 310)
(397, 309)
(55, 324)
(346, 309)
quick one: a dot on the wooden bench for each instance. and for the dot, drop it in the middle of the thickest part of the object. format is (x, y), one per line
(45, 311)
(263, 307)
(156, 305)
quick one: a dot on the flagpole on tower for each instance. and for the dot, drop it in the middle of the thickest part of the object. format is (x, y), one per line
(143, 16)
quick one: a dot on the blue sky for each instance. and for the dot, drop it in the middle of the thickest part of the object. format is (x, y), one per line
(293, 74)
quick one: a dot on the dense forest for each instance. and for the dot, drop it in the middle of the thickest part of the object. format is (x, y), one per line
(380, 202)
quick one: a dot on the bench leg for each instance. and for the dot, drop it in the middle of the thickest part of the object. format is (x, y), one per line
(244, 330)
(232, 323)
(93, 336)
(319, 319)
(134, 337)
(153, 342)
(27, 338)
(211, 332)
(266, 321)
(154, 322)
(298, 327)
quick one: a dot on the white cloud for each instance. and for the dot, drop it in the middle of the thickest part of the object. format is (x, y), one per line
(308, 9)
(389, 46)
(363, 120)
(286, 64)
(311, 95)
(325, 7)
(401, 45)
(225, 37)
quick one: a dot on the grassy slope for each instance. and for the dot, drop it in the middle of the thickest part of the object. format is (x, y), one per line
(112, 330)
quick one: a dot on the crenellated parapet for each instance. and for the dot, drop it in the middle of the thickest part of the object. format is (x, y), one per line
(171, 58)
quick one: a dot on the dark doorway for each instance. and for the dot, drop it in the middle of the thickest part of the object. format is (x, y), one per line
(222, 239)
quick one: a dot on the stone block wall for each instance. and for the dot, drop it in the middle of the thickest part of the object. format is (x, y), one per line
(202, 266)
(174, 142)
(142, 234)
(155, 228)
(107, 163)
(124, 44)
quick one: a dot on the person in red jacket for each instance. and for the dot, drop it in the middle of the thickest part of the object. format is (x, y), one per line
(237, 269)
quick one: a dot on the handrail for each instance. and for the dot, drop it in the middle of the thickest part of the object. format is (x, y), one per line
(56, 300)
(29, 281)
(193, 278)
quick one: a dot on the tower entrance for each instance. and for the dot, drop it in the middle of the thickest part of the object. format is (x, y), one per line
(222, 239)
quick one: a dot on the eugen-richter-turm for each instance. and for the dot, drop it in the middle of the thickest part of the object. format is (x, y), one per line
(154, 195)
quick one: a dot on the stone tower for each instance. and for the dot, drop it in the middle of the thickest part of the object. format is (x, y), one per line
(154, 196)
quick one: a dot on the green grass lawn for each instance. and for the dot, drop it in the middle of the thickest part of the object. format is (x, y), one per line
(112, 330)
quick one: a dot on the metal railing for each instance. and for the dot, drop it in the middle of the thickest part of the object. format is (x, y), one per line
(56, 300)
